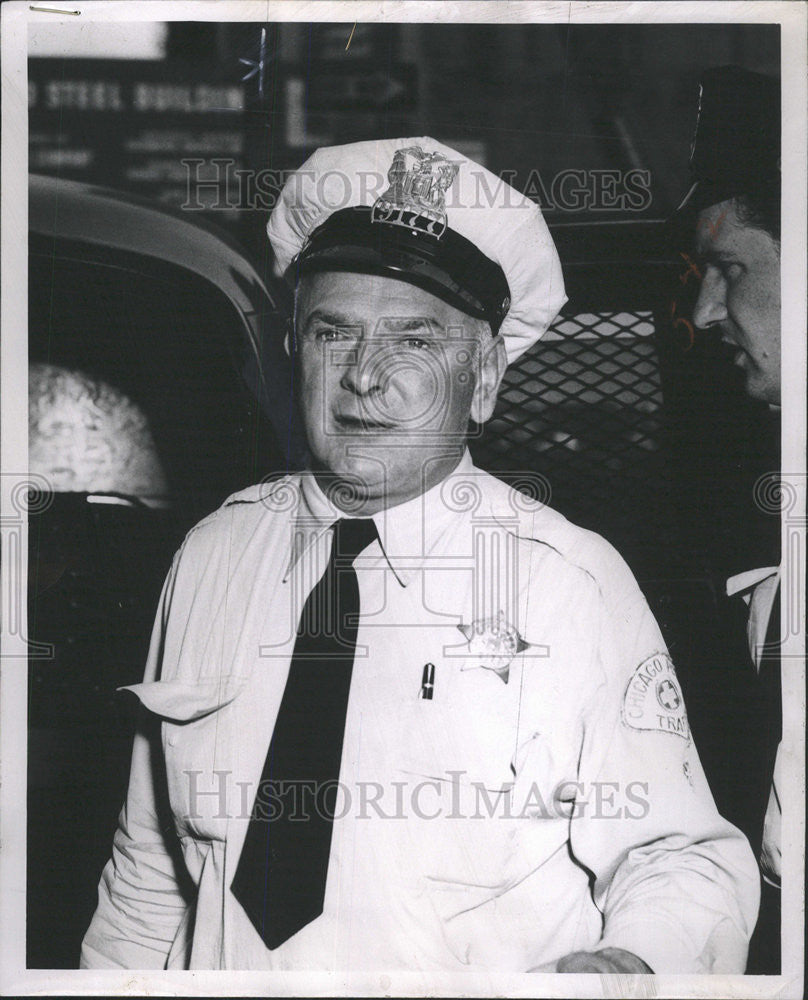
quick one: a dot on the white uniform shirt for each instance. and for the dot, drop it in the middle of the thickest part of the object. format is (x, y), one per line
(499, 825)
(758, 588)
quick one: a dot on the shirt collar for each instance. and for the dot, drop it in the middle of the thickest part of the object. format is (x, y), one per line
(741, 583)
(407, 532)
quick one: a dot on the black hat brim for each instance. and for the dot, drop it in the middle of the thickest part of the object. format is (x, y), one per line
(451, 267)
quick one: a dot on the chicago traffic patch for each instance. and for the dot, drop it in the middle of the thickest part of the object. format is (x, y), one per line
(653, 700)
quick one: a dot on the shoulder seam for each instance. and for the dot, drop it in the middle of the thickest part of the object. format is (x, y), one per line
(239, 498)
(273, 485)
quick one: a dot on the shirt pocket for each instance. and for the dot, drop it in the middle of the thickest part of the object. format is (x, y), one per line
(454, 763)
(196, 722)
(503, 776)
(202, 787)
(465, 731)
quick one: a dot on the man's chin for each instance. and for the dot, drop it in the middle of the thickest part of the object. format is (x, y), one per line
(759, 384)
(350, 482)
(762, 393)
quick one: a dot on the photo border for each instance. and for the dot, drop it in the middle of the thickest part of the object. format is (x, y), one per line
(14, 978)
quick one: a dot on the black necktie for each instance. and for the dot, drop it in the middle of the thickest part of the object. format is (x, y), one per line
(281, 874)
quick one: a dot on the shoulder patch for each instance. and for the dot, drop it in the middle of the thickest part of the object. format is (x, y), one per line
(653, 700)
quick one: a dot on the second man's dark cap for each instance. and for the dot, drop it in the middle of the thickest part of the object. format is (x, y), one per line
(736, 145)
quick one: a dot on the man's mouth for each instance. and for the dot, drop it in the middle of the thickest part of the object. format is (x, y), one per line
(351, 422)
(736, 353)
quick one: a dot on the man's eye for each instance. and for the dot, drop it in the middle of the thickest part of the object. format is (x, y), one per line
(714, 271)
(729, 270)
(732, 270)
(326, 333)
(417, 343)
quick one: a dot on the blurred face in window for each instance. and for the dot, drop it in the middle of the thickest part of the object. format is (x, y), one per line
(389, 376)
(740, 295)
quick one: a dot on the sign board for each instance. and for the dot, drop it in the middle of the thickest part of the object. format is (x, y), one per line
(134, 124)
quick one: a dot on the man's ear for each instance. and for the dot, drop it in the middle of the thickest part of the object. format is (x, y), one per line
(492, 367)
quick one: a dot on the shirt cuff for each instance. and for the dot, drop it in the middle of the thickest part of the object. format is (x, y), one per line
(663, 945)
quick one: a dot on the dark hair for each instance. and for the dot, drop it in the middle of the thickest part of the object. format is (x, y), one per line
(760, 208)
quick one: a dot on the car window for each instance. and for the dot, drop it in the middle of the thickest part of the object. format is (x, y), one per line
(167, 342)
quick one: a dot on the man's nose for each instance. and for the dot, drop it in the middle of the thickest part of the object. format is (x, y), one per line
(711, 305)
(364, 368)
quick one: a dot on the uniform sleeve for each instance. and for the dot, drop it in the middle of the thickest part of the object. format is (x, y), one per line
(142, 896)
(676, 883)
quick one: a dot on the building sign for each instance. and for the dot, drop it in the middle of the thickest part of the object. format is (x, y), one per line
(129, 124)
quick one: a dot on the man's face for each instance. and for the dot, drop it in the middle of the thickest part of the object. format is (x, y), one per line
(389, 375)
(740, 293)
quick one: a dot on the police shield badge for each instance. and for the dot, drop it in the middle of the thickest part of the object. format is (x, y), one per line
(495, 641)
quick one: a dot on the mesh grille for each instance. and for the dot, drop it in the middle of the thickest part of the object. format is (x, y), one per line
(583, 408)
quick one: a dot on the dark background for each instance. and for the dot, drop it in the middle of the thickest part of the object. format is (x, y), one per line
(643, 436)
(519, 98)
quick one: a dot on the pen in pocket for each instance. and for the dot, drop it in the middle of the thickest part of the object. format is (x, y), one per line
(428, 681)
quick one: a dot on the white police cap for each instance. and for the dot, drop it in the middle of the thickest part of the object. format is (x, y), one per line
(422, 212)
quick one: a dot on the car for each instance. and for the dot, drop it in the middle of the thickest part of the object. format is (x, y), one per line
(145, 412)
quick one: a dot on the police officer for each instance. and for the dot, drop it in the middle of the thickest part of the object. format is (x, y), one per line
(401, 716)
(735, 196)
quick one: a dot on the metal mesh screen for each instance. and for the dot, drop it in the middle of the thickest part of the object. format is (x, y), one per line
(583, 408)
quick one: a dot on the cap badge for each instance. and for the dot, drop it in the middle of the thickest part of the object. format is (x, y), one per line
(416, 198)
